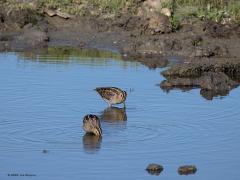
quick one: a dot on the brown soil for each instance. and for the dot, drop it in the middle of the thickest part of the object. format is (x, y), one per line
(209, 51)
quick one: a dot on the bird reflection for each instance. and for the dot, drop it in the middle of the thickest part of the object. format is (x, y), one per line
(114, 114)
(91, 143)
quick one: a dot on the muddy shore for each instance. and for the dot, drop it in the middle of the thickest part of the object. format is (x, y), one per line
(209, 52)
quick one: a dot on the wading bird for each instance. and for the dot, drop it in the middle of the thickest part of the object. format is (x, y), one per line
(112, 95)
(91, 124)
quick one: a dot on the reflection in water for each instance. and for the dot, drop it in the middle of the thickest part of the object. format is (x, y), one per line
(206, 94)
(66, 55)
(91, 143)
(211, 84)
(114, 114)
(210, 94)
(156, 173)
(150, 60)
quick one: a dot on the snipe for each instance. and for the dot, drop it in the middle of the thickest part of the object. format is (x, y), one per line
(112, 95)
(92, 125)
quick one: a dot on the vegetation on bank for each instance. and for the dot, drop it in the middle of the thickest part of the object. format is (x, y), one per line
(216, 10)
(74, 7)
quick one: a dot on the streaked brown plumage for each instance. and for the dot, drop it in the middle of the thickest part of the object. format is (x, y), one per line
(91, 124)
(112, 95)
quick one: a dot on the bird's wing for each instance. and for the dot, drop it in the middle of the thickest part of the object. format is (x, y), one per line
(105, 93)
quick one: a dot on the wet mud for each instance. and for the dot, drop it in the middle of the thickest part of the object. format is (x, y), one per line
(209, 51)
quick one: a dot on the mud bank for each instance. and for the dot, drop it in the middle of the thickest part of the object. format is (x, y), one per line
(214, 76)
(209, 51)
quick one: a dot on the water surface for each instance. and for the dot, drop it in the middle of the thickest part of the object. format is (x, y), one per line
(43, 99)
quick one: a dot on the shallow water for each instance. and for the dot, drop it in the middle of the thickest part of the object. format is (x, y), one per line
(44, 97)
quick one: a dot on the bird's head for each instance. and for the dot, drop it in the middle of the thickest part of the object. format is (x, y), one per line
(123, 96)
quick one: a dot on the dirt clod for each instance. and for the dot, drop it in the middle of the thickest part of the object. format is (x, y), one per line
(154, 169)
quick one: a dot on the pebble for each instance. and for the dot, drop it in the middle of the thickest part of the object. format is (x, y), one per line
(154, 169)
(188, 169)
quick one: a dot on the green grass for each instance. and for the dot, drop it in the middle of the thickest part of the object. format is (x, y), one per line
(79, 6)
(74, 7)
(182, 9)
(111, 6)
(214, 10)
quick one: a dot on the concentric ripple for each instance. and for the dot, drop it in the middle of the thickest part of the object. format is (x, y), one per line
(43, 101)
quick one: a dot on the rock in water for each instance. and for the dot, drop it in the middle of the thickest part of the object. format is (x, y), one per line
(154, 169)
(186, 170)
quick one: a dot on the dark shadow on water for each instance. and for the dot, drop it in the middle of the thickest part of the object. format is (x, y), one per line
(91, 143)
(114, 114)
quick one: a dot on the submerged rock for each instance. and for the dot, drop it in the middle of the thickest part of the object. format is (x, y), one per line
(154, 169)
(186, 170)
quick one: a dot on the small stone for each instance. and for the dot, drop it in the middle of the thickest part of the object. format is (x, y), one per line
(50, 12)
(166, 12)
(154, 169)
(63, 15)
(186, 170)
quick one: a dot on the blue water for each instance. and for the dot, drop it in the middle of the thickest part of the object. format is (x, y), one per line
(43, 101)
